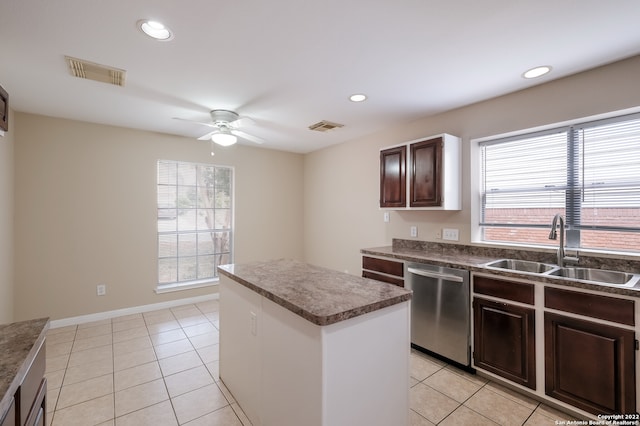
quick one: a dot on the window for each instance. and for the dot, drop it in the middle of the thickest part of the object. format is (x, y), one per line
(588, 172)
(195, 219)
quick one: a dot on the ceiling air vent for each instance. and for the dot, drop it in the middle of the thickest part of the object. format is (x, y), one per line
(91, 71)
(325, 126)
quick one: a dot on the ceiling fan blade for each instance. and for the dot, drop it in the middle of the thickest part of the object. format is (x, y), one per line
(242, 122)
(247, 136)
(207, 136)
(195, 122)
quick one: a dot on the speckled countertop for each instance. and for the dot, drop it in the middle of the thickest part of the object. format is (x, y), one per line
(19, 344)
(474, 258)
(321, 296)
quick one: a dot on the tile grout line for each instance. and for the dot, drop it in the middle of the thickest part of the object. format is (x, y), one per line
(112, 325)
(173, 408)
(484, 386)
(64, 375)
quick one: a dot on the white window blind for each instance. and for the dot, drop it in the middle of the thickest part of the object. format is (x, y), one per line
(589, 172)
(194, 221)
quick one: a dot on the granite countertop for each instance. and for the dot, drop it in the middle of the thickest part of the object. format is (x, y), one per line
(450, 260)
(320, 295)
(474, 258)
(19, 344)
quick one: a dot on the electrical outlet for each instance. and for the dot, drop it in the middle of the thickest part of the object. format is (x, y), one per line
(450, 234)
(414, 231)
(438, 234)
(101, 289)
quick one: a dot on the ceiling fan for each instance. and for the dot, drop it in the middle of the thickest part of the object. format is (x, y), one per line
(225, 126)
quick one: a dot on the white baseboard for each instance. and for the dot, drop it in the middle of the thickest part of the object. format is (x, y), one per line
(129, 311)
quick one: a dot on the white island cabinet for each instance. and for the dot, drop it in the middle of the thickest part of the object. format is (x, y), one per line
(303, 345)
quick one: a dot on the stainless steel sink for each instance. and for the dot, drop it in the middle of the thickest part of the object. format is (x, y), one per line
(590, 275)
(600, 276)
(521, 266)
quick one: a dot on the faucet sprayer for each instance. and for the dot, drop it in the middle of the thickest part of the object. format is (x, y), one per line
(553, 235)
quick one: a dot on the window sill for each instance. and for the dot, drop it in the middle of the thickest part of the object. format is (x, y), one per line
(170, 288)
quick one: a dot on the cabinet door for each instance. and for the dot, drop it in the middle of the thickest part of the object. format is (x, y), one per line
(425, 187)
(589, 365)
(9, 418)
(504, 340)
(393, 178)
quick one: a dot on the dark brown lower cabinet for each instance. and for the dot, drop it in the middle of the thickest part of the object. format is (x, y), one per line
(31, 395)
(37, 415)
(504, 340)
(388, 271)
(589, 365)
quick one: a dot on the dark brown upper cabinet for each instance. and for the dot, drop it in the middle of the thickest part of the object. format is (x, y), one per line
(393, 178)
(4, 109)
(425, 188)
(429, 179)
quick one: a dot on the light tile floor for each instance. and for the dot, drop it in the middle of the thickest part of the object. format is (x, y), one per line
(442, 394)
(161, 368)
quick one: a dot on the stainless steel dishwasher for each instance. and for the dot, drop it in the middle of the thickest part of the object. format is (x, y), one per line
(440, 310)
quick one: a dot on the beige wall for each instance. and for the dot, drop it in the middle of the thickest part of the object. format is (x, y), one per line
(6, 222)
(85, 196)
(85, 212)
(341, 182)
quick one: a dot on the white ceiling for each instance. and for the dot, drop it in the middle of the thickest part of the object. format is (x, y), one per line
(291, 63)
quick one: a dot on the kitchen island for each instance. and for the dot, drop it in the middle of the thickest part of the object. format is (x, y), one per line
(304, 345)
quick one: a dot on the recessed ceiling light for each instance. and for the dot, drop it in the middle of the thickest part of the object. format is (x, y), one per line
(537, 72)
(358, 97)
(155, 29)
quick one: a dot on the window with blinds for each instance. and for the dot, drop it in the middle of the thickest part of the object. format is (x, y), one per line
(588, 172)
(195, 220)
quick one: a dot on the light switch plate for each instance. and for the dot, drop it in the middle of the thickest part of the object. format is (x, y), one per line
(450, 234)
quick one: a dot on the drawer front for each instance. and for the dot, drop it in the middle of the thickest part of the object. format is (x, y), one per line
(30, 386)
(384, 278)
(510, 290)
(9, 418)
(37, 416)
(590, 305)
(382, 265)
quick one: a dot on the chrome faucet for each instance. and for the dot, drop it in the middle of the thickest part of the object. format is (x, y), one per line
(553, 236)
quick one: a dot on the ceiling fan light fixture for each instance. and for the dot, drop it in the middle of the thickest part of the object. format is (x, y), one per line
(155, 30)
(224, 138)
(537, 72)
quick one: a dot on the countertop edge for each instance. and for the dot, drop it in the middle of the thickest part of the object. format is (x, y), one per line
(320, 320)
(24, 367)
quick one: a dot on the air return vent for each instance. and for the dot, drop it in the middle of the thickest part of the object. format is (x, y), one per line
(325, 126)
(91, 71)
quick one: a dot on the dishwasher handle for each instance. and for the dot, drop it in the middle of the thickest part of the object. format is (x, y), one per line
(438, 275)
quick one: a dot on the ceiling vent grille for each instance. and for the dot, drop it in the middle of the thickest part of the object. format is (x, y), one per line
(91, 71)
(325, 126)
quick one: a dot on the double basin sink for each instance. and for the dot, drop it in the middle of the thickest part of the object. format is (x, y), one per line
(589, 275)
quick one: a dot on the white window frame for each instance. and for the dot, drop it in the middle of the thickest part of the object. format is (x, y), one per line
(476, 179)
(205, 282)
